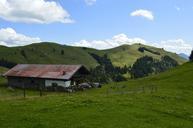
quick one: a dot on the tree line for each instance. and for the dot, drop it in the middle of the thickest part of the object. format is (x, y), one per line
(106, 72)
(144, 66)
(147, 65)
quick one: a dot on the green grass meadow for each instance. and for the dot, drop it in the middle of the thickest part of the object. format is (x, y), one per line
(160, 101)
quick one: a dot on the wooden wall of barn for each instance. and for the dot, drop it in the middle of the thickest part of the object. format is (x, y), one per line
(27, 82)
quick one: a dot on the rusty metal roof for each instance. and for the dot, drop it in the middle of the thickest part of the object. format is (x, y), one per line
(44, 71)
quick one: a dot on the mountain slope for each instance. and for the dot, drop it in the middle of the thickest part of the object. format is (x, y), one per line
(51, 53)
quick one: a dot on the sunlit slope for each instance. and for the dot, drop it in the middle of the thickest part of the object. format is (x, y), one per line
(128, 54)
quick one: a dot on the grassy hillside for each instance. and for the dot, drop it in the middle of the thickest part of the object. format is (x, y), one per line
(161, 101)
(127, 55)
(50, 53)
(47, 53)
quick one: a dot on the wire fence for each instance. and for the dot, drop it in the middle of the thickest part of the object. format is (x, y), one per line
(136, 90)
(10, 93)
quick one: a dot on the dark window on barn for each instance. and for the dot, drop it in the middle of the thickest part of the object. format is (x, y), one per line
(54, 84)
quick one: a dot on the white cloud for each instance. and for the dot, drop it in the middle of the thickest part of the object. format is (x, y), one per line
(90, 2)
(176, 46)
(123, 39)
(116, 41)
(33, 11)
(9, 37)
(143, 13)
(97, 44)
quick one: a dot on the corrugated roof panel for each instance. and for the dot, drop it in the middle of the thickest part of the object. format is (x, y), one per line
(44, 71)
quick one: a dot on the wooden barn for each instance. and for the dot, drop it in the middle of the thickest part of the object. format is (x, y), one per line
(45, 76)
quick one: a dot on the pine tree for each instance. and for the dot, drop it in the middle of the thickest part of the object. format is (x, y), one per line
(62, 52)
(23, 53)
(191, 56)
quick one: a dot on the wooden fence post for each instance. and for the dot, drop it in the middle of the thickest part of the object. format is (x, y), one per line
(24, 91)
(40, 90)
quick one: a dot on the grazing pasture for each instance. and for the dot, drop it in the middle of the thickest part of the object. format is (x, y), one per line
(160, 101)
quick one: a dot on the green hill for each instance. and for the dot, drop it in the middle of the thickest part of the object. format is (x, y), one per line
(127, 55)
(47, 53)
(51, 53)
(159, 101)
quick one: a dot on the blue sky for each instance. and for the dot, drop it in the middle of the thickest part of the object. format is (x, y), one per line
(92, 22)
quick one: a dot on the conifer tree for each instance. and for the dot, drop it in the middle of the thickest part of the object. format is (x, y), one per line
(191, 56)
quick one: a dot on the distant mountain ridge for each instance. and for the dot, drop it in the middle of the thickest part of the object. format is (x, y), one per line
(52, 53)
(183, 55)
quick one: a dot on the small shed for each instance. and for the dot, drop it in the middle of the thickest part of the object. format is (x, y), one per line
(39, 75)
